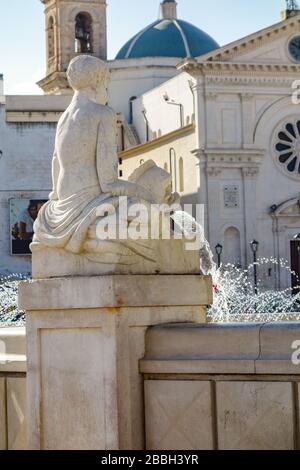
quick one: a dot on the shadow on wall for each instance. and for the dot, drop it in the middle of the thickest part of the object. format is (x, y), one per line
(161, 114)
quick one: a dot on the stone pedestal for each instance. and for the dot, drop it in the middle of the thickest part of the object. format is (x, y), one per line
(85, 337)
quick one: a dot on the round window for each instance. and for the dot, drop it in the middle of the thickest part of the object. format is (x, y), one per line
(287, 147)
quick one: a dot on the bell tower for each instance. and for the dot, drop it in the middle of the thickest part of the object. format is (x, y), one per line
(72, 27)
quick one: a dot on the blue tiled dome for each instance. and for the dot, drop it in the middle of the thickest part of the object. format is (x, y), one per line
(168, 37)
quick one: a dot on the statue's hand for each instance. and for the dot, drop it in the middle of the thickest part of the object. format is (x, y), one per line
(53, 196)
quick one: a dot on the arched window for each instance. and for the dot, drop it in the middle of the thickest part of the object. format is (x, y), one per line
(131, 100)
(173, 168)
(232, 246)
(181, 175)
(50, 30)
(83, 33)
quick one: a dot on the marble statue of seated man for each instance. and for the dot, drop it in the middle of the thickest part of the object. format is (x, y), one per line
(86, 188)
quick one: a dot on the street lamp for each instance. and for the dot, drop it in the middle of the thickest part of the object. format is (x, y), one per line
(180, 105)
(219, 251)
(144, 113)
(254, 247)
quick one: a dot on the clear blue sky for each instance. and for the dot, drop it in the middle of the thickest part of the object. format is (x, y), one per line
(22, 42)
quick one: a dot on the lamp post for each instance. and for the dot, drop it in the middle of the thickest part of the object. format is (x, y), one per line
(144, 113)
(219, 251)
(254, 247)
(180, 105)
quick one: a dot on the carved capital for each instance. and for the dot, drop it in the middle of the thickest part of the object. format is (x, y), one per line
(250, 172)
(247, 96)
(214, 172)
(211, 96)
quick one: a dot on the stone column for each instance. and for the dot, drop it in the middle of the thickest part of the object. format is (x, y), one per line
(202, 195)
(85, 337)
(250, 175)
(248, 119)
(200, 113)
(214, 176)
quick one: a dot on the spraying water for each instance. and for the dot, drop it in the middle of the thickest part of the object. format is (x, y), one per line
(234, 297)
(235, 301)
(10, 315)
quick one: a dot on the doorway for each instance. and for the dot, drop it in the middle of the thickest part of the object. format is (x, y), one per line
(295, 266)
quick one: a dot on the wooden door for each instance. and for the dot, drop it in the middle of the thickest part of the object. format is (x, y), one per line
(295, 266)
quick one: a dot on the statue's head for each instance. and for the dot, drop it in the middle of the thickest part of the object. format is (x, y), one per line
(90, 74)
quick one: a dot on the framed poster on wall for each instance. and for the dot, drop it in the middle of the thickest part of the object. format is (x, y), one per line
(23, 213)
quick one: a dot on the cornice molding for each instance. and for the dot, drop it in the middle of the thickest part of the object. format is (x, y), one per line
(253, 81)
(141, 148)
(248, 172)
(234, 74)
(54, 81)
(33, 116)
(231, 153)
(239, 67)
(248, 161)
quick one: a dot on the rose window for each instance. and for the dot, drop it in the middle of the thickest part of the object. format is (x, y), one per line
(288, 148)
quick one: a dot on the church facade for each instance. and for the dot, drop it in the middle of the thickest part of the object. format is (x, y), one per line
(223, 120)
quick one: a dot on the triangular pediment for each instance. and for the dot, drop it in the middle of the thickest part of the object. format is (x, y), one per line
(288, 208)
(268, 55)
(292, 210)
(266, 46)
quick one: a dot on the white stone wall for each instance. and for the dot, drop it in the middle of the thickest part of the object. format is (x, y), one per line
(172, 150)
(133, 77)
(164, 117)
(25, 172)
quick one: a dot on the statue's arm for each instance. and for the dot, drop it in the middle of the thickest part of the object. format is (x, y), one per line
(53, 196)
(107, 163)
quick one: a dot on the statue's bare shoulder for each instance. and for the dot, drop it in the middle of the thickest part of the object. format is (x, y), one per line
(101, 113)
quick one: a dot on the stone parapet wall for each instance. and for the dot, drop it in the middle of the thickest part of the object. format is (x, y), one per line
(12, 389)
(222, 387)
(206, 387)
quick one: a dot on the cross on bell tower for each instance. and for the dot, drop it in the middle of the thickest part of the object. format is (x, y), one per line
(72, 27)
(292, 9)
(292, 5)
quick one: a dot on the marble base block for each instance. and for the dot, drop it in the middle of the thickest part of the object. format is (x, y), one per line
(172, 257)
(85, 338)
